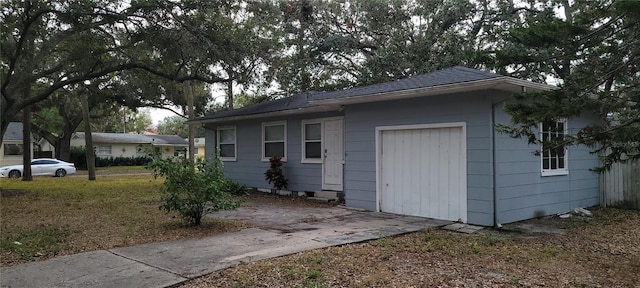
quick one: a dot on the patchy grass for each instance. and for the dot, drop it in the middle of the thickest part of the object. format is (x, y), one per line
(39, 241)
(115, 170)
(122, 168)
(603, 251)
(57, 216)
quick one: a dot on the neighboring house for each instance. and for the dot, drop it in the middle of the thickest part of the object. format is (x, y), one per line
(199, 144)
(11, 149)
(423, 146)
(46, 147)
(132, 145)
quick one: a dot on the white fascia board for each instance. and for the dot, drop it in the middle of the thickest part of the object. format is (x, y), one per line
(169, 145)
(531, 86)
(500, 83)
(314, 109)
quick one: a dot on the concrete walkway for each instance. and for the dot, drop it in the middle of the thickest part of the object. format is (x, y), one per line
(278, 231)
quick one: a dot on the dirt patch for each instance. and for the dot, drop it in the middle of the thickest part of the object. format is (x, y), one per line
(311, 219)
(154, 203)
(262, 198)
(13, 193)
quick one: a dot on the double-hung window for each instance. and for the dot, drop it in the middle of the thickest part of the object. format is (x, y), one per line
(554, 152)
(274, 140)
(103, 151)
(227, 143)
(311, 141)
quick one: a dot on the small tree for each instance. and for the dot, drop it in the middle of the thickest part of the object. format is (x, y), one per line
(274, 174)
(192, 191)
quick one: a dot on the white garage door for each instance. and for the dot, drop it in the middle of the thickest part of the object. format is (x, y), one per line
(422, 171)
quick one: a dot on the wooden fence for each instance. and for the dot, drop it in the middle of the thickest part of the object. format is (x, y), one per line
(620, 186)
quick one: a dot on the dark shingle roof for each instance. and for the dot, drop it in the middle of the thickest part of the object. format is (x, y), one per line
(120, 138)
(451, 75)
(168, 140)
(14, 132)
(293, 102)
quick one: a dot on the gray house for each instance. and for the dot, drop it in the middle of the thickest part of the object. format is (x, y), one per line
(132, 145)
(423, 146)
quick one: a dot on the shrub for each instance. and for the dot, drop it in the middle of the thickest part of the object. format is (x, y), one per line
(192, 190)
(78, 157)
(234, 188)
(274, 175)
(122, 161)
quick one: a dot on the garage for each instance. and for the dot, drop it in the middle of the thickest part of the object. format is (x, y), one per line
(421, 170)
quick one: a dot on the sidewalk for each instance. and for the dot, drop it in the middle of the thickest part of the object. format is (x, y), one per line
(165, 264)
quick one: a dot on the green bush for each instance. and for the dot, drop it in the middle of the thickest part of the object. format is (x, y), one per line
(274, 175)
(78, 157)
(122, 161)
(234, 188)
(192, 190)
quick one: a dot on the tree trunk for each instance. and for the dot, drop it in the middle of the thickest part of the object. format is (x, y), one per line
(91, 161)
(63, 148)
(26, 142)
(3, 128)
(305, 78)
(189, 89)
(230, 88)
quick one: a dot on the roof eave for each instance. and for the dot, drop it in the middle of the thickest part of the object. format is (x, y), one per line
(169, 145)
(313, 109)
(504, 83)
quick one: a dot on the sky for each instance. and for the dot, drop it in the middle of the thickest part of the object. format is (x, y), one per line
(158, 115)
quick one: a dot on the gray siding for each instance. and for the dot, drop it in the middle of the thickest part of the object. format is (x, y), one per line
(522, 193)
(360, 124)
(521, 190)
(249, 168)
(210, 149)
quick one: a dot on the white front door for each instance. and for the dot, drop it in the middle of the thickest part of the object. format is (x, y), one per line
(333, 154)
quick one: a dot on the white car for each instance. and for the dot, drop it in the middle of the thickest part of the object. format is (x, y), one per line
(41, 166)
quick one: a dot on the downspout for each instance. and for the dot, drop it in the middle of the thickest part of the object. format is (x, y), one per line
(493, 159)
(493, 166)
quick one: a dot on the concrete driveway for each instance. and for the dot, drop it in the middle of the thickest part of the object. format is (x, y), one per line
(278, 230)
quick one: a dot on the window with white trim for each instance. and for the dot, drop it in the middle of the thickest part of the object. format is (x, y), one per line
(554, 160)
(274, 140)
(103, 151)
(227, 143)
(311, 141)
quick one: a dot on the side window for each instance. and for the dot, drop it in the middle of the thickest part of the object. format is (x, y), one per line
(180, 152)
(312, 141)
(227, 143)
(554, 160)
(103, 151)
(274, 140)
(12, 149)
